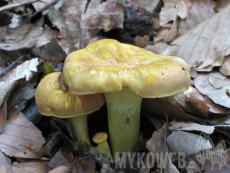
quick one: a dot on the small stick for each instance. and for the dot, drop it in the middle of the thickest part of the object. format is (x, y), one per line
(79, 160)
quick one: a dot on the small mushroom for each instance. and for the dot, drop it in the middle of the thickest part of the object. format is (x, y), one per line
(102, 146)
(52, 101)
(124, 74)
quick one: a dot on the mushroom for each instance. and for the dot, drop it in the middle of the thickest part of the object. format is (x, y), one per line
(102, 146)
(124, 74)
(52, 101)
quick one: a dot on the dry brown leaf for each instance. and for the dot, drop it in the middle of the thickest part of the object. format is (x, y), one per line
(225, 68)
(157, 142)
(20, 95)
(209, 39)
(61, 158)
(221, 4)
(31, 167)
(5, 164)
(18, 134)
(51, 52)
(60, 169)
(190, 101)
(25, 36)
(217, 80)
(157, 48)
(23, 71)
(143, 41)
(202, 84)
(160, 107)
(221, 96)
(77, 27)
(194, 17)
(214, 108)
(191, 126)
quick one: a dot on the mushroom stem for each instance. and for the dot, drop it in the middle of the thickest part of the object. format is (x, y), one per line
(80, 128)
(123, 119)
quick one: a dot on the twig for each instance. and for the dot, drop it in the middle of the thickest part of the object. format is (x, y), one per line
(79, 160)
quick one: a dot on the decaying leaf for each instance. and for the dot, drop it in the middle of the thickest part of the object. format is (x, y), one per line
(186, 142)
(160, 107)
(20, 95)
(18, 134)
(190, 101)
(79, 25)
(225, 68)
(221, 4)
(200, 43)
(31, 167)
(23, 71)
(5, 165)
(191, 126)
(60, 169)
(25, 36)
(194, 10)
(221, 96)
(202, 84)
(217, 80)
(214, 108)
(157, 48)
(61, 158)
(143, 41)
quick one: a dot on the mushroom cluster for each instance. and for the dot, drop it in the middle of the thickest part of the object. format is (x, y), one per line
(124, 74)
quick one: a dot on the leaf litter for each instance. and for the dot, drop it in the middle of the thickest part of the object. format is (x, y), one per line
(50, 30)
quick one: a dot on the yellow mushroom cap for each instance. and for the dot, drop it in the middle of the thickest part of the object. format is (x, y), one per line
(108, 66)
(52, 101)
(100, 137)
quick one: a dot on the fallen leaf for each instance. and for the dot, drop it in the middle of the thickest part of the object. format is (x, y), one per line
(18, 134)
(202, 84)
(50, 52)
(143, 41)
(160, 107)
(31, 167)
(193, 17)
(186, 142)
(5, 165)
(61, 158)
(25, 36)
(221, 4)
(60, 169)
(78, 26)
(20, 95)
(157, 48)
(215, 108)
(23, 71)
(221, 96)
(191, 101)
(191, 126)
(217, 80)
(225, 68)
(200, 43)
